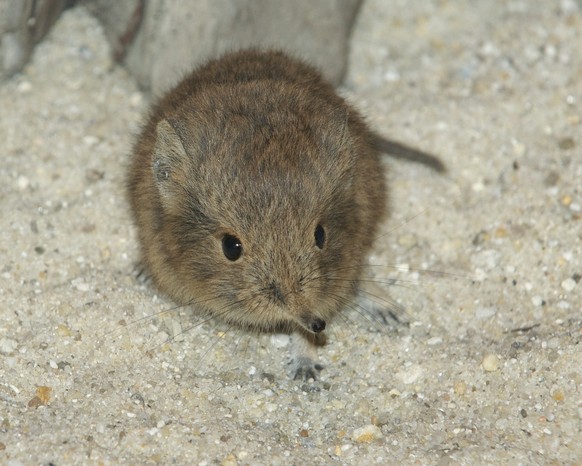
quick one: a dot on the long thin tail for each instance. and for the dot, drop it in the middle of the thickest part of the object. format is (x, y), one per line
(400, 151)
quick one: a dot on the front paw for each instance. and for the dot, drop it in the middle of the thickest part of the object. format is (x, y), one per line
(141, 273)
(305, 368)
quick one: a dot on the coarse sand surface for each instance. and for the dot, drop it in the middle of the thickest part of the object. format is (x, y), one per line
(486, 262)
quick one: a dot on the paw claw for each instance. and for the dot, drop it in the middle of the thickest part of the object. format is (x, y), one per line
(306, 369)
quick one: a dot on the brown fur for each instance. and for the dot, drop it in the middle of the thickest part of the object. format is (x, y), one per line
(257, 145)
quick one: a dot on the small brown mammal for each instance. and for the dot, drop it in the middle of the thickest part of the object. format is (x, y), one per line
(257, 192)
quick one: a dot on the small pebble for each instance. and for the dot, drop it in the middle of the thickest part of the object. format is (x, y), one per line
(410, 374)
(93, 175)
(490, 362)
(394, 393)
(24, 87)
(566, 144)
(64, 331)
(367, 434)
(391, 76)
(7, 345)
(23, 182)
(280, 340)
(434, 341)
(90, 140)
(569, 284)
(136, 99)
(230, 460)
(537, 300)
(81, 286)
(558, 395)
(519, 148)
(35, 402)
(44, 394)
(484, 312)
(460, 387)
(407, 241)
(478, 186)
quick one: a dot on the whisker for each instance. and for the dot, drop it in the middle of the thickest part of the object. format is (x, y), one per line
(216, 340)
(401, 224)
(354, 305)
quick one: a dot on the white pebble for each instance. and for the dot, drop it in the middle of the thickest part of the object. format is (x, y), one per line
(484, 312)
(518, 147)
(410, 374)
(7, 345)
(136, 99)
(280, 340)
(90, 140)
(478, 186)
(487, 259)
(82, 286)
(537, 300)
(569, 284)
(391, 76)
(480, 274)
(490, 362)
(23, 182)
(24, 87)
(490, 49)
(434, 341)
(271, 407)
(569, 7)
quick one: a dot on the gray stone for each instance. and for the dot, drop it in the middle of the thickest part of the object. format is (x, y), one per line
(167, 38)
(23, 23)
(120, 20)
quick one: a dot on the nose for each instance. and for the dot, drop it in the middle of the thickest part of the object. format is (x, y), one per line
(318, 325)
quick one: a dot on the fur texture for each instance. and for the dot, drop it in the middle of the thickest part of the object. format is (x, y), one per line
(257, 146)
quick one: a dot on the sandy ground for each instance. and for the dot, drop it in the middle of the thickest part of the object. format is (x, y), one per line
(489, 370)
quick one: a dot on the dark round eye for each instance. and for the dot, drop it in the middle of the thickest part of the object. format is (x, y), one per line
(231, 247)
(319, 236)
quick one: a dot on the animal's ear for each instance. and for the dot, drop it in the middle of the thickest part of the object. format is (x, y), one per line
(169, 158)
